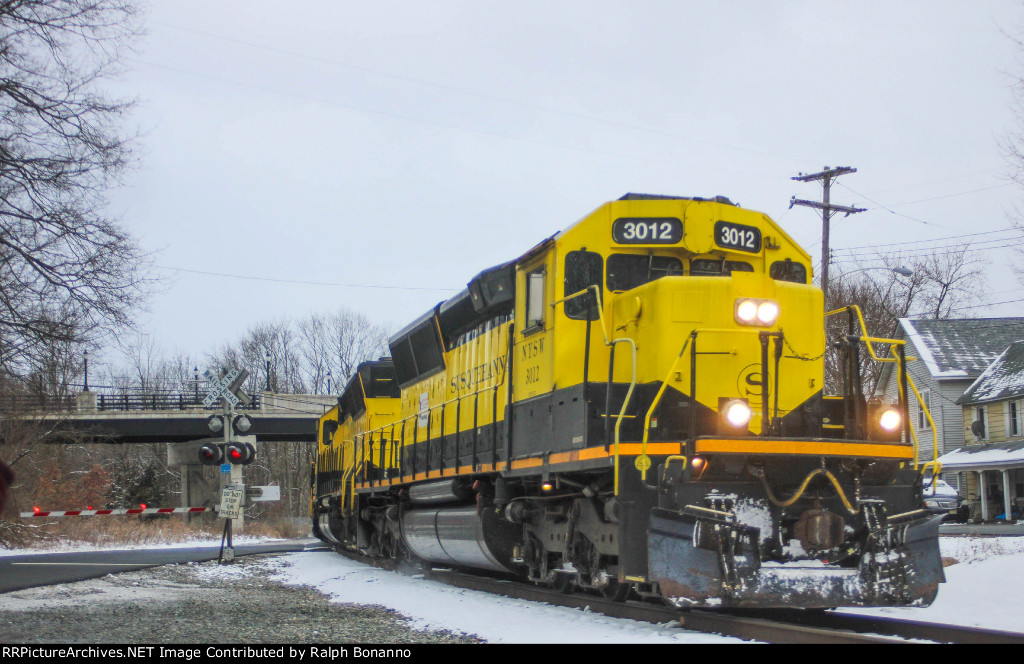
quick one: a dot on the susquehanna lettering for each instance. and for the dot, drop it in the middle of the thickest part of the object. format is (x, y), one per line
(482, 373)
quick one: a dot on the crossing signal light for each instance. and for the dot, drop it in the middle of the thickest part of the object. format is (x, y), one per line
(211, 455)
(241, 424)
(240, 454)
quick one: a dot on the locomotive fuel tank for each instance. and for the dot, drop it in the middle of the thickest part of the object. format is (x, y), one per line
(462, 536)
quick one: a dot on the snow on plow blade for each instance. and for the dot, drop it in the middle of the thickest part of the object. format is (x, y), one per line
(699, 559)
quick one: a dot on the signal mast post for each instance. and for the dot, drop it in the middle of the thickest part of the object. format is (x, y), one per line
(235, 451)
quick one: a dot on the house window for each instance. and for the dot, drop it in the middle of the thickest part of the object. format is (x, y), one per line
(535, 300)
(1012, 419)
(925, 403)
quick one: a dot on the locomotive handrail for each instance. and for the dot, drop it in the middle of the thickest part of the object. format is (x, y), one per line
(868, 340)
(610, 342)
(654, 404)
(664, 385)
(456, 400)
(343, 489)
(931, 423)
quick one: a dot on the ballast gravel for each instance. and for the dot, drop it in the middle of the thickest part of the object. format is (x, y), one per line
(195, 604)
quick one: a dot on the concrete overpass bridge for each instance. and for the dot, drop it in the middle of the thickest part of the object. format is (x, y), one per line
(179, 419)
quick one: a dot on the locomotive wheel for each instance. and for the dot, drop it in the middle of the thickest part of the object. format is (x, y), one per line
(564, 583)
(616, 591)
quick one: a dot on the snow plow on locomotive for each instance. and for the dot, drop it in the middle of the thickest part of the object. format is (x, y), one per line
(636, 405)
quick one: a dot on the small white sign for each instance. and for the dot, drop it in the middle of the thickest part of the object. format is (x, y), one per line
(231, 502)
(263, 493)
(424, 414)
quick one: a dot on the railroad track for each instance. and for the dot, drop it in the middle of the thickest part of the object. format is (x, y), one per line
(773, 626)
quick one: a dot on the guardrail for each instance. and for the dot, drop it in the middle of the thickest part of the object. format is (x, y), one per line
(117, 401)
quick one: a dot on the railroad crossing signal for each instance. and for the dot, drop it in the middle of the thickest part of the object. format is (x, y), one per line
(227, 388)
(236, 454)
(211, 454)
(240, 454)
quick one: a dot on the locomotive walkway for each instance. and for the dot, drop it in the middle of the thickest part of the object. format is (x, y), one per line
(164, 417)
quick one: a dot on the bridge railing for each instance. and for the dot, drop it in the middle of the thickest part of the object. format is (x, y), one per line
(16, 403)
(110, 400)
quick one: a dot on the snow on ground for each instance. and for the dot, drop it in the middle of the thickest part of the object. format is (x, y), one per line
(433, 605)
(984, 589)
(73, 547)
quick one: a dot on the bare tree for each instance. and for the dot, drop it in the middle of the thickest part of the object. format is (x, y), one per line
(68, 271)
(939, 284)
(337, 343)
(275, 340)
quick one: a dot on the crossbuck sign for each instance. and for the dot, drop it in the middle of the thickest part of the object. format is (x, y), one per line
(227, 388)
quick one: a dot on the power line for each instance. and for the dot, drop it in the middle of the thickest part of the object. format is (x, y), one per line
(446, 125)
(473, 93)
(924, 184)
(938, 239)
(936, 198)
(888, 208)
(983, 245)
(303, 283)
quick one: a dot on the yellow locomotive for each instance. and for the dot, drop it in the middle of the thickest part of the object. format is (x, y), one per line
(635, 405)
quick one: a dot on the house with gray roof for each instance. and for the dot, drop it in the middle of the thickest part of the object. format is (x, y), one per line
(991, 462)
(951, 355)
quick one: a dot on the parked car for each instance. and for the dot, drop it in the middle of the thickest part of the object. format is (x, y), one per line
(941, 498)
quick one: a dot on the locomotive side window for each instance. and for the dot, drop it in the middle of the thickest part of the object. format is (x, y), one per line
(405, 365)
(582, 270)
(788, 270)
(426, 348)
(535, 300)
(708, 267)
(626, 271)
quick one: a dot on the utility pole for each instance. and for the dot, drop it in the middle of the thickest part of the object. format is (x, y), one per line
(827, 210)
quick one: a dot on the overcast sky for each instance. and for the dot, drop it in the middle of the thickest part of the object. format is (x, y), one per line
(395, 149)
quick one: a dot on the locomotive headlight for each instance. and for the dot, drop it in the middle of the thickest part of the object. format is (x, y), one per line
(746, 311)
(737, 413)
(756, 312)
(767, 312)
(890, 419)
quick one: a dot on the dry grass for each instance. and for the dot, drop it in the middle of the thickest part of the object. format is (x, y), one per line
(131, 530)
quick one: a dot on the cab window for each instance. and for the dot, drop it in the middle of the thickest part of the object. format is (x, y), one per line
(535, 299)
(582, 270)
(788, 270)
(626, 271)
(709, 267)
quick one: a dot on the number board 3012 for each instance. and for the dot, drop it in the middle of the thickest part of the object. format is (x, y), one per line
(647, 230)
(737, 236)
